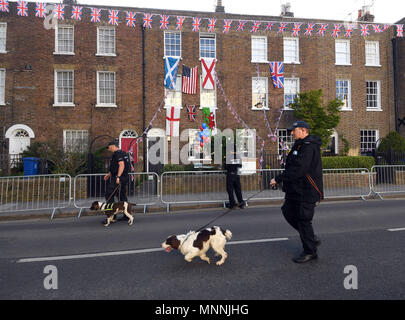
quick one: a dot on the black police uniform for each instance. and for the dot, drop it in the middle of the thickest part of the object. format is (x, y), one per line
(233, 184)
(303, 187)
(118, 156)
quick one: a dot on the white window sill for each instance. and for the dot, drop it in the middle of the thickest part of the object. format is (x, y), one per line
(2, 104)
(63, 104)
(106, 105)
(106, 55)
(3, 51)
(64, 53)
(292, 62)
(374, 109)
(261, 109)
(261, 61)
(346, 109)
(288, 109)
(343, 64)
(374, 65)
(174, 57)
(199, 59)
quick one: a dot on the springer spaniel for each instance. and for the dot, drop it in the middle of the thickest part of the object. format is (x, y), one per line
(195, 244)
(111, 209)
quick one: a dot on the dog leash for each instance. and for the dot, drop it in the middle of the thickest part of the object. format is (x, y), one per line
(113, 193)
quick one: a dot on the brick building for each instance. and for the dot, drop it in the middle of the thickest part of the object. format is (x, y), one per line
(83, 80)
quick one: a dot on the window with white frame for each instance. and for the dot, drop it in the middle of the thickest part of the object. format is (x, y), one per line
(373, 97)
(373, 53)
(343, 92)
(259, 49)
(208, 98)
(106, 41)
(291, 50)
(2, 86)
(246, 142)
(368, 139)
(291, 91)
(64, 88)
(342, 52)
(208, 45)
(195, 152)
(172, 44)
(64, 39)
(3, 36)
(106, 89)
(284, 139)
(174, 96)
(75, 140)
(259, 93)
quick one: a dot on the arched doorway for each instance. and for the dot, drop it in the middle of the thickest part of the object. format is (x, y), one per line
(126, 137)
(19, 136)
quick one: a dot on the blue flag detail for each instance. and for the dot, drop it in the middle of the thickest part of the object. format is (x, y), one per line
(171, 67)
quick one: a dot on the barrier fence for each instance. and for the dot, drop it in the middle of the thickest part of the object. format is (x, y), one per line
(43, 192)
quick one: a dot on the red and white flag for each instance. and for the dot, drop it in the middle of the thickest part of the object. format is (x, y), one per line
(208, 73)
(189, 80)
(172, 121)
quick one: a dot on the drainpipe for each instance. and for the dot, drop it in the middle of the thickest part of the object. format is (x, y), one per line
(395, 62)
(144, 140)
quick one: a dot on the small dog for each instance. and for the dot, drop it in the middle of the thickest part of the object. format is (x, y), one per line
(195, 244)
(112, 209)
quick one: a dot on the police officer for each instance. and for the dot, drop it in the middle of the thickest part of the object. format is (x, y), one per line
(233, 182)
(303, 187)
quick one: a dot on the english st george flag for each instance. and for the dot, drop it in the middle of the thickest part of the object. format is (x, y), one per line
(189, 80)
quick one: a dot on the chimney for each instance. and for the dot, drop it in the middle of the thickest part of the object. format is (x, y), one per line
(70, 2)
(365, 15)
(286, 10)
(219, 8)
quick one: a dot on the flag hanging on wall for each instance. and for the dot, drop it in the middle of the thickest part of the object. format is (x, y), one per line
(208, 74)
(190, 80)
(172, 121)
(191, 113)
(171, 67)
(277, 73)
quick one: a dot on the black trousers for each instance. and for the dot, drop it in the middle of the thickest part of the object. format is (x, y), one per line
(299, 215)
(233, 184)
(113, 190)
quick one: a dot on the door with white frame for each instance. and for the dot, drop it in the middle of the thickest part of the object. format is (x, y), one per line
(19, 136)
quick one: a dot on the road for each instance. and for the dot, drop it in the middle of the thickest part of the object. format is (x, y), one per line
(125, 262)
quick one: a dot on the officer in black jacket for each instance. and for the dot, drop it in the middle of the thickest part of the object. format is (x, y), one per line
(233, 181)
(303, 187)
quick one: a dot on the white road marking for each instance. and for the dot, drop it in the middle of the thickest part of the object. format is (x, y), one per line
(396, 229)
(120, 253)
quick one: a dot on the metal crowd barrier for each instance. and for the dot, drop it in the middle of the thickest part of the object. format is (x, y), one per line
(142, 189)
(387, 179)
(39, 192)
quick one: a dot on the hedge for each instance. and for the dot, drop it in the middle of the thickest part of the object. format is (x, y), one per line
(347, 162)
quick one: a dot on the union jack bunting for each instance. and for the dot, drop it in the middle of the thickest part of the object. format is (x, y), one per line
(309, 29)
(196, 24)
(277, 73)
(269, 26)
(4, 6)
(241, 25)
(283, 26)
(40, 10)
(227, 25)
(22, 8)
(336, 30)
(95, 15)
(131, 18)
(59, 11)
(400, 30)
(211, 24)
(322, 29)
(364, 30)
(296, 29)
(349, 31)
(77, 12)
(255, 27)
(164, 22)
(191, 112)
(377, 28)
(386, 26)
(113, 17)
(179, 23)
(147, 20)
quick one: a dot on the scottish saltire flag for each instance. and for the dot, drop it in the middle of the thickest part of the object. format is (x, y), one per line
(277, 73)
(171, 67)
(40, 10)
(22, 8)
(191, 113)
(189, 83)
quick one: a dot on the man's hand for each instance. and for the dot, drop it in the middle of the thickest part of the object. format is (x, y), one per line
(107, 176)
(273, 182)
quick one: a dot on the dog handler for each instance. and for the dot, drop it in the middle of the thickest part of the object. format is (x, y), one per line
(303, 187)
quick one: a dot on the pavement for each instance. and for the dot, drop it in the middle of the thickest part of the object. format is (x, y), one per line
(363, 238)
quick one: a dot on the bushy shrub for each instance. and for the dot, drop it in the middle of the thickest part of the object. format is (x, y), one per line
(347, 162)
(173, 167)
(393, 141)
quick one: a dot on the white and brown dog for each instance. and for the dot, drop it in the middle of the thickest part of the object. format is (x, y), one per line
(195, 244)
(111, 209)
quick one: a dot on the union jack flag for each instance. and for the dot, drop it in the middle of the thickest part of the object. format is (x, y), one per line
(196, 24)
(22, 7)
(349, 31)
(77, 12)
(191, 113)
(309, 29)
(269, 26)
(283, 26)
(40, 10)
(386, 26)
(227, 25)
(131, 18)
(113, 17)
(95, 15)
(147, 20)
(364, 30)
(255, 27)
(336, 30)
(164, 22)
(400, 30)
(277, 73)
(296, 29)
(59, 11)
(179, 23)
(241, 25)
(4, 6)
(377, 28)
(211, 24)
(322, 29)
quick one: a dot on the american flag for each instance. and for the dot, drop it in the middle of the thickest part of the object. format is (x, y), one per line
(191, 113)
(190, 76)
(277, 73)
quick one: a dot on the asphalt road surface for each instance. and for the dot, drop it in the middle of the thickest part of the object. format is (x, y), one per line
(82, 259)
